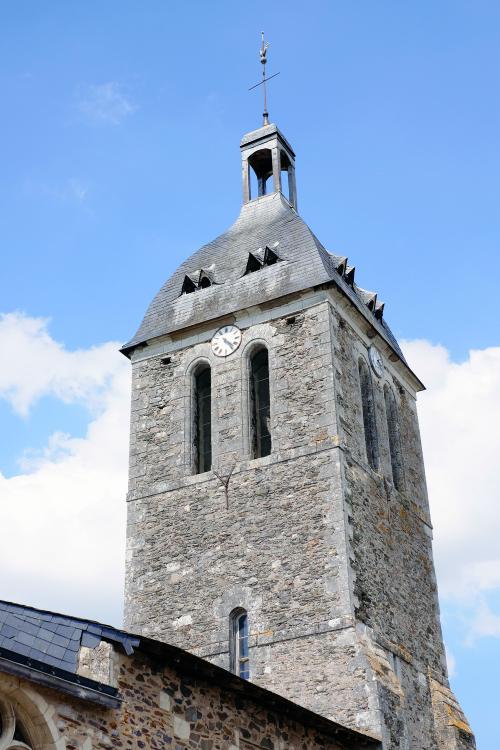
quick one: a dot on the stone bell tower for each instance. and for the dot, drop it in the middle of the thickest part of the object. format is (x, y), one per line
(278, 520)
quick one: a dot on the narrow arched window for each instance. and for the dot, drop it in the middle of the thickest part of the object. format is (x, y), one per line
(368, 406)
(238, 642)
(13, 733)
(391, 413)
(202, 420)
(260, 404)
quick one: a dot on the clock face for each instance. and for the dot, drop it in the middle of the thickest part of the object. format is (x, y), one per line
(226, 340)
(376, 361)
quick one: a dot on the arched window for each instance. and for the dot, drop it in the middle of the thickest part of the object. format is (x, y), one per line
(202, 420)
(368, 406)
(260, 404)
(238, 643)
(391, 413)
(13, 734)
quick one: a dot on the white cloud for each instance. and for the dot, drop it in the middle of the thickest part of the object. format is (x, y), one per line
(106, 103)
(451, 662)
(65, 514)
(459, 419)
(34, 365)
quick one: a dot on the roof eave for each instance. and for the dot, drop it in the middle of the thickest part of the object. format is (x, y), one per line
(46, 675)
(374, 323)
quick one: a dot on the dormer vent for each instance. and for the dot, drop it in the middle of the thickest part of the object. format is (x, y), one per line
(260, 258)
(379, 310)
(253, 264)
(270, 257)
(342, 265)
(369, 298)
(201, 279)
(205, 280)
(349, 274)
(188, 286)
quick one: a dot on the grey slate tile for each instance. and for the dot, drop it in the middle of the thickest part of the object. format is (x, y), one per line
(50, 638)
(45, 634)
(65, 630)
(26, 638)
(8, 631)
(60, 640)
(56, 651)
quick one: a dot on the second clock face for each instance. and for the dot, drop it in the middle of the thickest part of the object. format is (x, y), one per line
(226, 340)
(376, 361)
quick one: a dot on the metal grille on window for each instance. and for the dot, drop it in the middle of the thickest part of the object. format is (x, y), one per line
(203, 420)
(260, 404)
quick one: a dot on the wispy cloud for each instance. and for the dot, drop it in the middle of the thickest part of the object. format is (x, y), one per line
(74, 190)
(106, 103)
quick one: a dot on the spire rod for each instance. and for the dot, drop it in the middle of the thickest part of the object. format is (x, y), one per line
(263, 58)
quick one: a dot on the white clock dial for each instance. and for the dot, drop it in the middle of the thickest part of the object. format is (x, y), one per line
(376, 361)
(226, 340)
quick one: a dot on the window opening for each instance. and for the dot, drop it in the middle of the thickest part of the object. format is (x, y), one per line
(267, 185)
(391, 412)
(240, 657)
(205, 282)
(261, 173)
(260, 404)
(188, 286)
(368, 408)
(270, 257)
(252, 264)
(13, 734)
(203, 420)
(285, 187)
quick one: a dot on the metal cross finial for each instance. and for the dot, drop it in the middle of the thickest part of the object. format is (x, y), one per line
(263, 59)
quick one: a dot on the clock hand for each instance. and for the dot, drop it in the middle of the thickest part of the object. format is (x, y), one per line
(225, 340)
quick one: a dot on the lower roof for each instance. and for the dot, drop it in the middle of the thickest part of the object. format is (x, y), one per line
(25, 630)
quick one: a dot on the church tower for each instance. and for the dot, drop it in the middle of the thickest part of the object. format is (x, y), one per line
(278, 520)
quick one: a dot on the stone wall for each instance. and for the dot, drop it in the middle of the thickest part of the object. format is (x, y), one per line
(395, 592)
(332, 563)
(276, 545)
(161, 709)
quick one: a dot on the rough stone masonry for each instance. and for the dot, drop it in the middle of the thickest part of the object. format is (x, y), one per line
(331, 562)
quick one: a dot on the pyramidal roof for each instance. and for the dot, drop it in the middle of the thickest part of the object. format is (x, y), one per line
(267, 225)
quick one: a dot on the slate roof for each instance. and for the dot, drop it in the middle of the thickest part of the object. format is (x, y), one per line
(54, 639)
(304, 263)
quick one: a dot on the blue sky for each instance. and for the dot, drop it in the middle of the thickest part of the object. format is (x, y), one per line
(120, 156)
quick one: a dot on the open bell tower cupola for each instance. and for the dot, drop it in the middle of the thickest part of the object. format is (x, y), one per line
(268, 154)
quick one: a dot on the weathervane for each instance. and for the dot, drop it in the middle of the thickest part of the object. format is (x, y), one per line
(263, 59)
